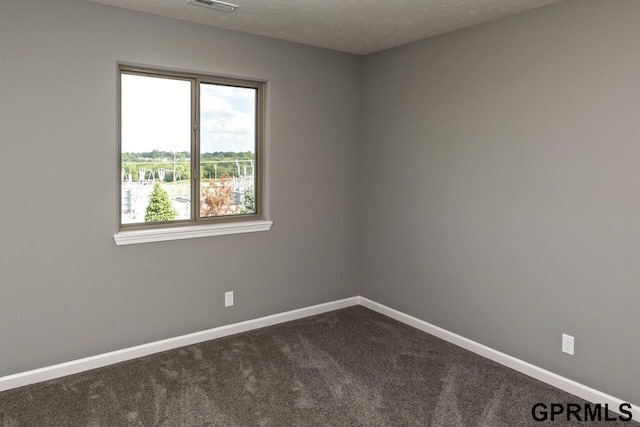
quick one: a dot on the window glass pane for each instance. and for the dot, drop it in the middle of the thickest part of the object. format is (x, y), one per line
(227, 150)
(156, 149)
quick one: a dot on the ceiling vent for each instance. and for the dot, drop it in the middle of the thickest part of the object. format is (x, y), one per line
(214, 4)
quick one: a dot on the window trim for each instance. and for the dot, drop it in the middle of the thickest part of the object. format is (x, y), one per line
(150, 235)
(196, 226)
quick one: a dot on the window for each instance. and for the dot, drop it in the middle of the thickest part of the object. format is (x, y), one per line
(190, 153)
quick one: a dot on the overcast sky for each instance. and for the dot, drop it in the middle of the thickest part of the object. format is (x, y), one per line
(156, 115)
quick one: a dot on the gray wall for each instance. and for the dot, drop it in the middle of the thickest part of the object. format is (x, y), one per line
(501, 186)
(66, 290)
(498, 189)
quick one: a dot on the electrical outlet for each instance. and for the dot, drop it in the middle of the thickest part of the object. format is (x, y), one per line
(567, 344)
(228, 299)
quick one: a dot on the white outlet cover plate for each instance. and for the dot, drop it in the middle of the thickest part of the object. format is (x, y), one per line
(228, 299)
(567, 344)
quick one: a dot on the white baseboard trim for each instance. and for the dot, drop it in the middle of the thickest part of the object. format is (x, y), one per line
(93, 362)
(98, 361)
(562, 383)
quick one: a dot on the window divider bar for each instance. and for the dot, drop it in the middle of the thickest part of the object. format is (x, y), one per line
(195, 151)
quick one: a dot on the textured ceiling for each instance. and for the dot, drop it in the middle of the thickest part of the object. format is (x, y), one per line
(355, 26)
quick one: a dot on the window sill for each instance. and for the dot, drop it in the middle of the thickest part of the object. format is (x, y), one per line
(189, 232)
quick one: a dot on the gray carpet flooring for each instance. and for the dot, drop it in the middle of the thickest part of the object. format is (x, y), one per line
(351, 367)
